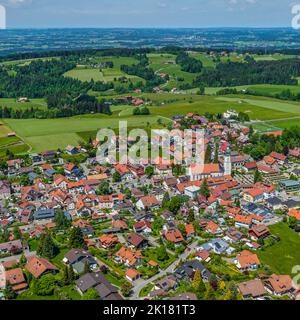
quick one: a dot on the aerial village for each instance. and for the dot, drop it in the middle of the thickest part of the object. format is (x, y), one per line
(72, 228)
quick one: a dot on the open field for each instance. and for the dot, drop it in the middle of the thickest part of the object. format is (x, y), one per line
(286, 124)
(290, 109)
(286, 250)
(58, 133)
(267, 89)
(87, 73)
(273, 57)
(25, 62)
(13, 104)
(4, 129)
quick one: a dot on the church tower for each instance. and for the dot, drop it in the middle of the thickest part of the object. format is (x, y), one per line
(227, 163)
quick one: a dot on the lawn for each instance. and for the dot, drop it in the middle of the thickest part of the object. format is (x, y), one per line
(287, 124)
(285, 254)
(43, 134)
(13, 104)
(151, 254)
(58, 133)
(87, 73)
(280, 109)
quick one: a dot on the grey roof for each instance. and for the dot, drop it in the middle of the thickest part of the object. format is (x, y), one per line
(76, 255)
(189, 267)
(273, 201)
(98, 281)
(290, 183)
(44, 214)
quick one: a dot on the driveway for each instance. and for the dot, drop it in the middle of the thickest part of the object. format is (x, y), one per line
(140, 284)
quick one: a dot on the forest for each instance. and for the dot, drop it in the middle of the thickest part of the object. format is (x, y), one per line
(252, 72)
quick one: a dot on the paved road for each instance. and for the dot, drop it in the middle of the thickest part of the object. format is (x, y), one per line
(140, 284)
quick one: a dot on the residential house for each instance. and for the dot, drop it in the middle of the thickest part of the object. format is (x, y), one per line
(218, 246)
(129, 257)
(192, 191)
(188, 269)
(78, 258)
(108, 241)
(39, 266)
(16, 279)
(137, 241)
(143, 226)
(98, 282)
(167, 284)
(252, 289)
(279, 285)
(147, 202)
(174, 236)
(259, 232)
(132, 275)
(12, 247)
(213, 228)
(247, 260)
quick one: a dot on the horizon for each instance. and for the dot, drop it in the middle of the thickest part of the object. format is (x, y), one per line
(45, 14)
(148, 28)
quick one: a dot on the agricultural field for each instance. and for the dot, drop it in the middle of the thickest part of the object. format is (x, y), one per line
(24, 62)
(261, 89)
(58, 133)
(280, 109)
(287, 123)
(286, 250)
(87, 73)
(42, 134)
(273, 57)
(13, 104)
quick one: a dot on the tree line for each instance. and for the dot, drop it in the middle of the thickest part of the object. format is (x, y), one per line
(282, 72)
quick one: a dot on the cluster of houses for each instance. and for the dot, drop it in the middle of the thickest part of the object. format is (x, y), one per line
(230, 219)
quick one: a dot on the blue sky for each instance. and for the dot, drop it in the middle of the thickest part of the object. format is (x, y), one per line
(148, 13)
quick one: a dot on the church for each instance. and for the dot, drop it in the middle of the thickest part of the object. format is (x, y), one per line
(211, 170)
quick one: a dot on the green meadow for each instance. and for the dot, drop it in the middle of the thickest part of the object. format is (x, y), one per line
(42, 134)
(47, 134)
(87, 73)
(34, 103)
(286, 250)
(261, 89)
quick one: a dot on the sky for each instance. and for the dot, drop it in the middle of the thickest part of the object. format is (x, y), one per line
(148, 13)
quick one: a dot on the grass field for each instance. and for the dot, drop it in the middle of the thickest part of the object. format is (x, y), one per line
(290, 109)
(286, 124)
(13, 104)
(25, 62)
(261, 89)
(272, 57)
(87, 73)
(286, 251)
(58, 133)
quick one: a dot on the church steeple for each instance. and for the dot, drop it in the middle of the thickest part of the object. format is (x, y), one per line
(227, 163)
